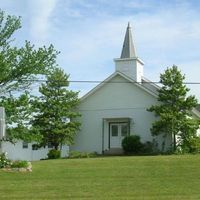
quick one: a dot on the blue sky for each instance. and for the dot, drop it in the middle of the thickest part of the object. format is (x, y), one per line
(90, 33)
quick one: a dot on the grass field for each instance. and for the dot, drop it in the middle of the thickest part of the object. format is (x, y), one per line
(145, 177)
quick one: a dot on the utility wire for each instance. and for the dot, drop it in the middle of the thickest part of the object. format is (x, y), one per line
(95, 81)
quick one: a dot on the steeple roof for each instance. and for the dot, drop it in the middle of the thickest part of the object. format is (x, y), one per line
(128, 50)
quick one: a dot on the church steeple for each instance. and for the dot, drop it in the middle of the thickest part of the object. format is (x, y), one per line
(128, 50)
(128, 63)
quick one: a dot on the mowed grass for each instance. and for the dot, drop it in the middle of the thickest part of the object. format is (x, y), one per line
(145, 177)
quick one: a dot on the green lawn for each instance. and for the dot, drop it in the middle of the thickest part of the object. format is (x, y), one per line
(145, 177)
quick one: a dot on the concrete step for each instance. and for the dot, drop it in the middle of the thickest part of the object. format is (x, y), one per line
(114, 151)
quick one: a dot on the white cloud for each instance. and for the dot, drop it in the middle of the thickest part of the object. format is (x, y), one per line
(40, 13)
(90, 34)
(162, 39)
(139, 4)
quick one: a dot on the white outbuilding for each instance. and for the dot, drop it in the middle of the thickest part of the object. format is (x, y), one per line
(22, 150)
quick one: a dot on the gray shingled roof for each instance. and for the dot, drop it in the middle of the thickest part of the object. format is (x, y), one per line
(128, 50)
(198, 107)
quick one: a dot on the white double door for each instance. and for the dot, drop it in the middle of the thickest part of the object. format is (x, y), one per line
(117, 132)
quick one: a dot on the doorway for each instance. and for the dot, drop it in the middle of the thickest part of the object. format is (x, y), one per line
(117, 132)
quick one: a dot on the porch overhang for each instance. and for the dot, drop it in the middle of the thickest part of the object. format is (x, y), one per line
(117, 119)
(109, 120)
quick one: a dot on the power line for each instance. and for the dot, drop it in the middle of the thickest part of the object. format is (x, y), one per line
(97, 81)
(151, 82)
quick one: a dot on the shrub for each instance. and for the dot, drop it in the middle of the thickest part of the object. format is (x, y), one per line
(195, 145)
(54, 154)
(77, 154)
(4, 161)
(19, 164)
(131, 144)
(149, 148)
(191, 145)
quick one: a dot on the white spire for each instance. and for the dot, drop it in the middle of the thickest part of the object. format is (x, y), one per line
(128, 50)
(129, 64)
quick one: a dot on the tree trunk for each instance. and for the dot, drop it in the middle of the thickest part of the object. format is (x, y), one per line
(174, 143)
(56, 146)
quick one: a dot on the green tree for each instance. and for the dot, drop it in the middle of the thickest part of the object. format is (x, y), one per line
(19, 112)
(55, 117)
(174, 110)
(20, 67)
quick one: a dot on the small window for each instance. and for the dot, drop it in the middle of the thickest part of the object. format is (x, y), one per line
(114, 130)
(35, 147)
(124, 130)
(50, 145)
(25, 145)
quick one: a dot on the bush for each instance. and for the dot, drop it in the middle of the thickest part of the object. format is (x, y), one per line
(191, 145)
(4, 161)
(148, 147)
(195, 145)
(54, 154)
(131, 144)
(77, 154)
(19, 164)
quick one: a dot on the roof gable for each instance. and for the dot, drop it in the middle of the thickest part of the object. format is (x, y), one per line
(146, 86)
(109, 80)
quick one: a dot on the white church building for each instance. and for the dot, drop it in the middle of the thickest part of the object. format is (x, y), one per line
(115, 108)
(118, 107)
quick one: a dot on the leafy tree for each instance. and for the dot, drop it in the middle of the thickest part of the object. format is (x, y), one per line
(55, 116)
(20, 67)
(18, 124)
(174, 110)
